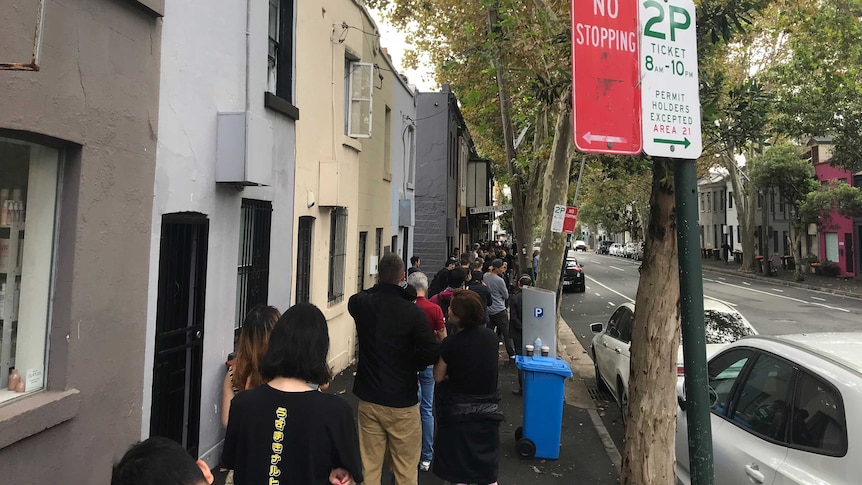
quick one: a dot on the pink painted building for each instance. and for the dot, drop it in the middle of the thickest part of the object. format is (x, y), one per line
(836, 232)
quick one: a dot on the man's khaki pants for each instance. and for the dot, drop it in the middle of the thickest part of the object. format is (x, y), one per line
(401, 430)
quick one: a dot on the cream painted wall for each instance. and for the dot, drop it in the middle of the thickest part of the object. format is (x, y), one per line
(322, 46)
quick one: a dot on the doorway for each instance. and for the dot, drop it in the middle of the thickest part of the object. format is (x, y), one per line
(177, 366)
(848, 252)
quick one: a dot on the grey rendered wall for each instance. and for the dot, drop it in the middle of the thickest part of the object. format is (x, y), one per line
(432, 181)
(96, 96)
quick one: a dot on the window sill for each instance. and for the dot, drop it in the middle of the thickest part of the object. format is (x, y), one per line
(387, 176)
(280, 105)
(34, 414)
(351, 143)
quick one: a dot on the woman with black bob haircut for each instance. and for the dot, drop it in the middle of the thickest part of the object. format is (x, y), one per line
(286, 429)
(467, 444)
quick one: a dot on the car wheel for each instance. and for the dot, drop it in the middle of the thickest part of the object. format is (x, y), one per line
(600, 384)
(624, 401)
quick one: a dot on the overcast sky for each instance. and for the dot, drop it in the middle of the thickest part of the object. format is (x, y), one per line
(396, 43)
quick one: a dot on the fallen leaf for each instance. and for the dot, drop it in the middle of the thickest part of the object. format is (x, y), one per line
(536, 469)
(558, 475)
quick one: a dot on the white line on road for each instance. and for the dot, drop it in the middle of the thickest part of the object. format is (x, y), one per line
(607, 441)
(746, 283)
(618, 269)
(722, 279)
(782, 296)
(776, 289)
(818, 299)
(609, 289)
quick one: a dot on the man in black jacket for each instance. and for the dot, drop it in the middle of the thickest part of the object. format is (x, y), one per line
(395, 342)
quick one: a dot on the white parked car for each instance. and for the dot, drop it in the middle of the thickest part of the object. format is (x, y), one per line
(630, 249)
(784, 410)
(611, 343)
(580, 245)
(616, 249)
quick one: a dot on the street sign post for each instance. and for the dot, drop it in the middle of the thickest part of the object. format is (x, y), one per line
(670, 91)
(606, 97)
(564, 219)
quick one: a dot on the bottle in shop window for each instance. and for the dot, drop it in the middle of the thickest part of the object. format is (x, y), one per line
(20, 386)
(14, 380)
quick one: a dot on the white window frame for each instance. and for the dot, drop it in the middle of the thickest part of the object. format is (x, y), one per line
(358, 71)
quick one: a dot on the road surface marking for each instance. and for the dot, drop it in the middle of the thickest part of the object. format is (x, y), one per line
(598, 295)
(776, 289)
(746, 283)
(818, 299)
(723, 279)
(618, 269)
(609, 289)
(785, 297)
(610, 447)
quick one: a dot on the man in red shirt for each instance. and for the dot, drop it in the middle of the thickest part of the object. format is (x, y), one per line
(419, 282)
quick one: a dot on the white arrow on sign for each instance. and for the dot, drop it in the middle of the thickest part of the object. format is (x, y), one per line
(589, 137)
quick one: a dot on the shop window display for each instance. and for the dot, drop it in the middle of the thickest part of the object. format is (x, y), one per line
(28, 207)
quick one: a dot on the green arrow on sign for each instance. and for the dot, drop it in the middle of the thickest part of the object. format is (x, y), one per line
(684, 142)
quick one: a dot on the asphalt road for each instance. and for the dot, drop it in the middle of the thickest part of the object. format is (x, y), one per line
(771, 309)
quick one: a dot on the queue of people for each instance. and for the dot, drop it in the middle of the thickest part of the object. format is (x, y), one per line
(421, 356)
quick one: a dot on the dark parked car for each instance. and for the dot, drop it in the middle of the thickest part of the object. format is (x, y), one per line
(604, 247)
(573, 278)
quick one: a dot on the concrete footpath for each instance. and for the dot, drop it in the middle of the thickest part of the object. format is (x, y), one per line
(587, 453)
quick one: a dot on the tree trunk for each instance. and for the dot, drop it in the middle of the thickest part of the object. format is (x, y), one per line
(556, 190)
(520, 223)
(651, 416)
(746, 201)
(796, 232)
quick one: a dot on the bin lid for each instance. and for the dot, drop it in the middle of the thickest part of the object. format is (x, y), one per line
(547, 365)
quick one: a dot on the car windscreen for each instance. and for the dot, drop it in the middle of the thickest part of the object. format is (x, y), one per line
(723, 327)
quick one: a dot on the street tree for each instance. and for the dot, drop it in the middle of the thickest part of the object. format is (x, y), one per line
(781, 169)
(837, 197)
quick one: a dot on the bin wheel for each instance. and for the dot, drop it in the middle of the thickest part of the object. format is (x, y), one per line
(526, 447)
(519, 433)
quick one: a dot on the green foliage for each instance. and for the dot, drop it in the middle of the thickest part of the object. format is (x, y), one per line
(782, 168)
(838, 196)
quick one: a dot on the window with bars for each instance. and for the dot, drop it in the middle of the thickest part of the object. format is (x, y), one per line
(379, 243)
(280, 50)
(337, 253)
(252, 285)
(303, 259)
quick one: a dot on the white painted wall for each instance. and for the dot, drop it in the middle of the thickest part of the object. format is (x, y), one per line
(403, 116)
(204, 72)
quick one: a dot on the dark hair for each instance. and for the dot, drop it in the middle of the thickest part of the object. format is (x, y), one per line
(468, 307)
(525, 280)
(477, 276)
(465, 259)
(414, 260)
(456, 277)
(390, 269)
(157, 461)
(253, 341)
(298, 346)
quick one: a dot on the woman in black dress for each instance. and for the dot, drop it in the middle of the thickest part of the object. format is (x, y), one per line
(467, 444)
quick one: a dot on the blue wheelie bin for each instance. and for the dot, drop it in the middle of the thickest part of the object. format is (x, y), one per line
(544, 382)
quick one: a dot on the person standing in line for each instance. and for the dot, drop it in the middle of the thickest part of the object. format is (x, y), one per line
(477, 285)
(457, 277)
(395, 342)
(516, 325)
(160, 461)
(419, 282)
(415, 263)
(474, 253)
(285, 431)
(499, 294)
(535, 264)
(468, 411)
(441, 280)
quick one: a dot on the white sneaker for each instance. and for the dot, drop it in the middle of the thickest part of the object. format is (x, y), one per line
(425, 466)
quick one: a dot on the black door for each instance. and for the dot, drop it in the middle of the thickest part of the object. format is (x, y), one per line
(175, 412)
(848, 256)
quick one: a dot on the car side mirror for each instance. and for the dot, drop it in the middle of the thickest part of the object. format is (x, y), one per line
(680, 394)
(596, 327)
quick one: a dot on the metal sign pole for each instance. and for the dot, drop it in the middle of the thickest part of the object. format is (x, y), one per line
(691, 316)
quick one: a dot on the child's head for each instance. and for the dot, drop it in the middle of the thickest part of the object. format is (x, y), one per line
(298, 346)
(159, 461)
(253, 341)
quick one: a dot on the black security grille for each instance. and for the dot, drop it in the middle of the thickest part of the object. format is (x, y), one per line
(303, 260)
(360, 268)
(337, 253)
(253, 262)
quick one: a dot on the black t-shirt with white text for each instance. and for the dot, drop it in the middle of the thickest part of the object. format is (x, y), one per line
(285, 438)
